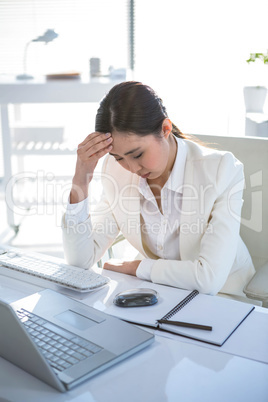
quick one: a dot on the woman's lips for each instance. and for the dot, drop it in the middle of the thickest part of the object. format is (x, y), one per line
(144, 176)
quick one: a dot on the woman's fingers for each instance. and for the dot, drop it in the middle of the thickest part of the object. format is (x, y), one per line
(89, 137)
(95, 152)
(103, 152)
(95, 137)
(93, 145)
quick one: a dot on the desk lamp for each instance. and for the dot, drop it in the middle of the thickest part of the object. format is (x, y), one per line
(48, 36)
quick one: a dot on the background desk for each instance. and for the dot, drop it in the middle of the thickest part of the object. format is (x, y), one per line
(168, 370)
(41, 91)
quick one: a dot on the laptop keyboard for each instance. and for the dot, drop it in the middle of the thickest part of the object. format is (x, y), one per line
(61, 348)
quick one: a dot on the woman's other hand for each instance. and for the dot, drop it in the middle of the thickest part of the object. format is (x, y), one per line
(124, 267)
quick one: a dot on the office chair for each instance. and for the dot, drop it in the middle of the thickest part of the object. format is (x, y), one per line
(253, 153)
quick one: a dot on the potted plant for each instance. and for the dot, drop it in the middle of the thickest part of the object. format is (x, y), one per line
(255, 95)
(260, 56)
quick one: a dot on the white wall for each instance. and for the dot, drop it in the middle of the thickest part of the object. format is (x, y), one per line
(193, 53)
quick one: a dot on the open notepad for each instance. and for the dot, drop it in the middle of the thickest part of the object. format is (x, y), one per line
(223, 315)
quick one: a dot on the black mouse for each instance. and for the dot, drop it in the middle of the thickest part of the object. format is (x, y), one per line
(136, 298)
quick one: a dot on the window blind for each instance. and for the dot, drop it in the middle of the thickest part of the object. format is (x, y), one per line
(97, 28)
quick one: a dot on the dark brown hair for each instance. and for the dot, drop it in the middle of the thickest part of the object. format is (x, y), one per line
(135, 108)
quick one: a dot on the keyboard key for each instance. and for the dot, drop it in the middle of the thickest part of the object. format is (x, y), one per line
(71, 360)
(81, 342)
(40, 321)
(40, 343)
(94, 348)
(76, 347)
(63, 348)
(65, 365)
(87, 353)
(56, 337)
(67, 343)
(34, 319)
(59, 353)
(52, 342)
(62, 362)
(41, 336)
(52, 350)
(47, 354)
(70, 352)
(54, 359)
(78, 356)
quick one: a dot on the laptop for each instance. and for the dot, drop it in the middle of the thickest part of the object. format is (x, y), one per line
(64, 342)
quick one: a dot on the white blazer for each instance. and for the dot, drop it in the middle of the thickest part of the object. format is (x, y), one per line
(213, 256)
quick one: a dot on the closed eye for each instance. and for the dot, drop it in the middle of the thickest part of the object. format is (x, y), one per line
(135, 157)
(138, 156)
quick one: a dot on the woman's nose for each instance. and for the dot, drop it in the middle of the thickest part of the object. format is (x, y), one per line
(134, 166)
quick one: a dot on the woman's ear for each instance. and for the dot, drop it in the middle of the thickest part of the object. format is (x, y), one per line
(166, 128)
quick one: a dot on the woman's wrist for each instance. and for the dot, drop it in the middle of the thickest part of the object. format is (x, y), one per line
(78, 193)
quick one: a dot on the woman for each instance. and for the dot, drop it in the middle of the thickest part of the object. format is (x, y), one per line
(177, 202)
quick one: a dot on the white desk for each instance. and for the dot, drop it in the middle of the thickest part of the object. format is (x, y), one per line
(41, 91)
(168, 370)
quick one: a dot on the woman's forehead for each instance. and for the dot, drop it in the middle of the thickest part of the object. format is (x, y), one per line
(124, 143)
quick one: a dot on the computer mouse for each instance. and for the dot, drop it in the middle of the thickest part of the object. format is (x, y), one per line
(136, 298)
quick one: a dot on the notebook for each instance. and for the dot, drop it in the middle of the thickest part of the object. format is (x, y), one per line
(222, 314)
(62, 341)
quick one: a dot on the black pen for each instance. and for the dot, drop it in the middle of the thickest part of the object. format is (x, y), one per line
(185, 324)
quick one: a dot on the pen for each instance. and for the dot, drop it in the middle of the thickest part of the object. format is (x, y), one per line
(185, 324)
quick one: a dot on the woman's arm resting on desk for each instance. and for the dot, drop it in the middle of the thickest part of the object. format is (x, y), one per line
(124, 267)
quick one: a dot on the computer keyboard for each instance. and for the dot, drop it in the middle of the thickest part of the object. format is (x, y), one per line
(68, 276)
(61, 348)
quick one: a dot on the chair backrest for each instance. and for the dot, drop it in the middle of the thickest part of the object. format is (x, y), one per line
(253, 153)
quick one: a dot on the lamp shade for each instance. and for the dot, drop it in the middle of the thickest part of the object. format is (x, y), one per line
(48, 36)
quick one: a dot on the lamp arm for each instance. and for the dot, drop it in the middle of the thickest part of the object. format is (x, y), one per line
(25, 56)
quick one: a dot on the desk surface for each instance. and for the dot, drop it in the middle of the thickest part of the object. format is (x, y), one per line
(168, 370)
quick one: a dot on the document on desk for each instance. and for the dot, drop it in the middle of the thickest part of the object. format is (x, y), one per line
(223, 315)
